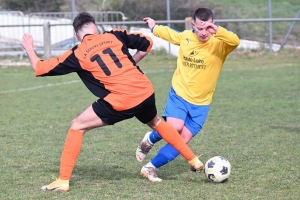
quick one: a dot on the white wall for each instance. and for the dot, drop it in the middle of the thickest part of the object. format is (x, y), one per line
(58, 33)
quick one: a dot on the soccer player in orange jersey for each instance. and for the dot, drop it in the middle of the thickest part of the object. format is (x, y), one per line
(105, 66)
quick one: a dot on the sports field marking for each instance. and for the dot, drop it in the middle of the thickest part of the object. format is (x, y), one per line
(66, 83)
(40, 86)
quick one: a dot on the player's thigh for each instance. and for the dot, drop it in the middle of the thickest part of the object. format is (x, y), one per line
(87, 120)
(196, 118)
(177, 123)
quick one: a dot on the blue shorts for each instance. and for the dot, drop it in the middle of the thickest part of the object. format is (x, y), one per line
(194, 116)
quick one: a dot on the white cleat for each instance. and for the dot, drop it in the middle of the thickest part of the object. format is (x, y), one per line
(150, 174)
(143, 149)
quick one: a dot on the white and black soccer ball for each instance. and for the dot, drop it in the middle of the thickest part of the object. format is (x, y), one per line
(217, 169)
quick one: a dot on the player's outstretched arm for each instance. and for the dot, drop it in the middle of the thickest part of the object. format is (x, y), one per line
(28, 45)
(150, 22)
(163, 32)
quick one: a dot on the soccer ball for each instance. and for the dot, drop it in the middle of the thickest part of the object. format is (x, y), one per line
(217, 169)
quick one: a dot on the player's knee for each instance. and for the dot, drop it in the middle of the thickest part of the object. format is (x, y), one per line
(75, 124)
(187, 137)
(154, 122)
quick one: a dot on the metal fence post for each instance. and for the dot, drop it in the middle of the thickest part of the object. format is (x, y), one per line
(47, 40)
(289, 31)
(270, 27)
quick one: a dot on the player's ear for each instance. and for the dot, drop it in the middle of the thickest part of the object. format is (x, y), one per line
(76, 37)
(95, 29)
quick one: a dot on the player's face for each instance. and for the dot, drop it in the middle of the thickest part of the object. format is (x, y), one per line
(201, 31)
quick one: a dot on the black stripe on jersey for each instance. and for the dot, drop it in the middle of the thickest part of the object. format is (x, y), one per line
(69, 65)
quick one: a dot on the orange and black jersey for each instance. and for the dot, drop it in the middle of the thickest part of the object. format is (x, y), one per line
(105, 66)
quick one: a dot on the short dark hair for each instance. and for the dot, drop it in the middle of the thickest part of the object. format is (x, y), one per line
(203, 14)
(82, 19)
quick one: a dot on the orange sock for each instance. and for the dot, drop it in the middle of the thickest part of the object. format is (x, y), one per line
(170, 135)
(70, 153)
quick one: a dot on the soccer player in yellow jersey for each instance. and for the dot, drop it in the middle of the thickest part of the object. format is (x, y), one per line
(202, 53)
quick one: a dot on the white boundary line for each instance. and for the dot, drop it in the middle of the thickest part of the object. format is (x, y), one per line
(38, 87)
(66, 83)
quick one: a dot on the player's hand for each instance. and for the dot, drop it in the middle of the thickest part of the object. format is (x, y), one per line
(210, 27)
(150, 22)
(27, 42)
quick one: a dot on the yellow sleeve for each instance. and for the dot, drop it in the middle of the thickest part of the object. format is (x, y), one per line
(167, 34)
(230, 39)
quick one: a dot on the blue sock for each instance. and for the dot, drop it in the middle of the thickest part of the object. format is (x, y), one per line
(154, 137)
(166, 154)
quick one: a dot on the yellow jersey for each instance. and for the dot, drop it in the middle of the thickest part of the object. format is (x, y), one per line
(199, 63)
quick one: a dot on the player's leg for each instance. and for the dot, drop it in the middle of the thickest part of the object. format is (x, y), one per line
(87, 120)
(175, 108)
(167, 153)
(148, 114)
(171, 136)
(177, 123)
(152, 137)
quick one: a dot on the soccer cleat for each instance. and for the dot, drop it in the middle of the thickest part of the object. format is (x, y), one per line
(197, 167)
(150, 174)
(143, 149)
(57, 185)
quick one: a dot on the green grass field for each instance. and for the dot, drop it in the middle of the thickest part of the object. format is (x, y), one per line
(254, 122)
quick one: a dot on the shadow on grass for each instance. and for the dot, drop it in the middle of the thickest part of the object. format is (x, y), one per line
(177, 170)
(125, 168)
